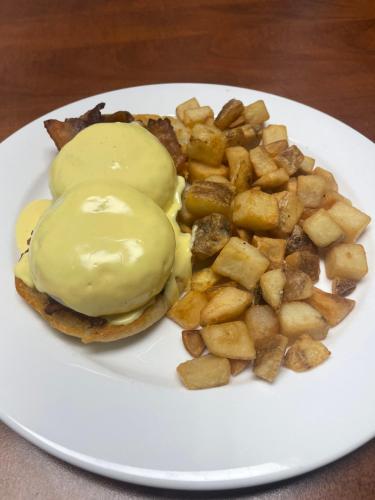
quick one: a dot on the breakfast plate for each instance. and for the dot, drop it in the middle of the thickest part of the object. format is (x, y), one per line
(119, 409)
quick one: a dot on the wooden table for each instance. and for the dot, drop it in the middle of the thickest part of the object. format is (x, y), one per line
(321, 53)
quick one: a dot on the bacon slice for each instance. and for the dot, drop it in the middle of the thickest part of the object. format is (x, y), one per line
(163, 130)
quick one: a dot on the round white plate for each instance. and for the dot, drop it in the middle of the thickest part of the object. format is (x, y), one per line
(119, 409)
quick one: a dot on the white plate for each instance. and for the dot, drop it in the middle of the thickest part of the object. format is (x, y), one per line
(119, 409)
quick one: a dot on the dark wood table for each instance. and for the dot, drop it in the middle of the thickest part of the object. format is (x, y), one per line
(53, 52)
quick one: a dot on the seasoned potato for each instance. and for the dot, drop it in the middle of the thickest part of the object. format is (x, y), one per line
(311, 189)
(346, 260)
(290, 210)
(240, 168)
(200, 172)
(256, 113)
(221, 180)
(328, 177)
(305, 353)
(204, 279)
(303, 260)
(343, 286)
(297, 318)
(272, 180)
(207, 145)
(255, 210)
(229, 340)
(186, 312)
(241, 262)
(197, 115)
(272, 248)
(210, 234)
(242, 136)
(184, 215)
(275, 148)
(228, 113)
(237, 366)
(322, 229)
(307, 165)
(244, 235)
(261, 322)
(298, 240)
(274, 133)
(227, 304)
(262, 161)
(269, 356)
(331, 197)
(204, 372)
(290, 159)
(204, 198)
(298, 285)
(351, 220)
(193, 342)
(333, 308)
(190, 104)
(272, 286)
(238, 121)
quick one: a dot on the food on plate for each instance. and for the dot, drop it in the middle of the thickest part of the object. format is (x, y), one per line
(306, 353)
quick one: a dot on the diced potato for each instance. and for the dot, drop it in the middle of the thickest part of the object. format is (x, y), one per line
(182, 133)
(261, 161)
(351, 220)
(305, 353)
(228, 113)
(346, 260)
(193, 342)
(197, 115)
(244, 235)
(184, 215)
(290, 210)
(307, 165)
(322, 229)
(275, 148)
(240, 168)
(244, 136)
(261, 322)
(272, 179)
(298, 240)
(229, 340)
(256, 113)
(237, 366)
(207, 145)
(328, 177)
(204, 198)
(307, 212)
(272, 286)
(211, 292)
(255, 210)
(331, 197)
(270, 354)
(227, 304)
(274, 133)
(343, 286)
(241, 262)
(303, 260)
(333, 308)
(272, 248)
(311, 189)
(190, 104)
(297, 318)
(290, 159)
(204, 372)
(186, 312)
(200, 171)
(298, 285)
(210, 235)
(238, 121)
(204, 279)
(291, 185)
(221, 180)
(184, 228)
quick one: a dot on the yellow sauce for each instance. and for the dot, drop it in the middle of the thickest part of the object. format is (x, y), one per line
(27, 220)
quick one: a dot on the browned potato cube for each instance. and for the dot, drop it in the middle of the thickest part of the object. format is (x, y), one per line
(244, 235)
(229, 340)
(333, 308)
(343, 286)
(221, 180)
(261, 161)
(210, 235)
(244, 136)
(272, 179)
(204, 279)
(190, 104)
(204, 372)
(272, 248)
(290, 159)
(228, 113)
(291, 185)
(241, 262)
(256, 113)
(311, 189)
(261, 322)
(290, 210)
(204, 198)
(298, 285)
(200, 172)
(351, 220)
(272, 286)
(297, 318)
(255, 210)
(197, 115)
(298, 240)
(184, 215)
(307, 165)
(322, 229)
(238, 122)
(307, 212)
(182, 133)
(331, 197)
(186, 312)
(207, 145)
(240, 168)
(193, 342)
(328, 177)
(346, 260)
(227, 304)
(306, 353)
(275, 148)
(274, 133)
(303, 260)
(237, 366)
(270, 354)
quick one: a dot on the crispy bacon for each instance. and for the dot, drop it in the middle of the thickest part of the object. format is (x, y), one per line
(163, 130)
